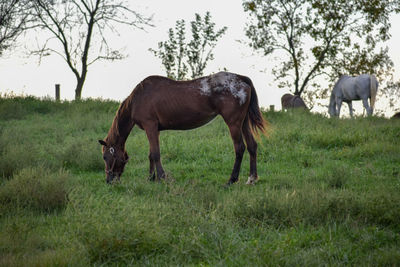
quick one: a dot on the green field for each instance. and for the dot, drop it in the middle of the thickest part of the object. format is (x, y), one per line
(328, 194)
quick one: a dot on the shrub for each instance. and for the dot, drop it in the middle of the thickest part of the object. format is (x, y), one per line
(37, 189)
(316, 207)
(14, 157)
(17, 108)
(113, 230)
(10, 110)
(83, 154)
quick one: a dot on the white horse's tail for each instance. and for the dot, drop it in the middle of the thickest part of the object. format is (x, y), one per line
(373, 90)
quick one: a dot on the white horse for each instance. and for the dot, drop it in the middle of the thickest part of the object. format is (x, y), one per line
(349, 88)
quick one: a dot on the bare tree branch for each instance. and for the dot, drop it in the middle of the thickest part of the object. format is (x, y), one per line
(82, 28)
(14, 19)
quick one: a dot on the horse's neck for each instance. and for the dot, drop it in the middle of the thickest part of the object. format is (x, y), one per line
(332, 102)
(122, 125)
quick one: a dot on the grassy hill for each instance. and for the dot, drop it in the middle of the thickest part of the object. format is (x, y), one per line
(328, 192)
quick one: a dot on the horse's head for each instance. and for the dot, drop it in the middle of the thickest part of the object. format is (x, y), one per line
(115, 159)
(332, 105)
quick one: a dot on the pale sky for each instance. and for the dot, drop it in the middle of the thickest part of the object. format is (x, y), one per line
(115, 80)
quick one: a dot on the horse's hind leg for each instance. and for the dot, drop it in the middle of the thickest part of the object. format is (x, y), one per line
(236, 134)
(252, 149)
(367, 107)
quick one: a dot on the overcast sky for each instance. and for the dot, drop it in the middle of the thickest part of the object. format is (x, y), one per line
(115, 80)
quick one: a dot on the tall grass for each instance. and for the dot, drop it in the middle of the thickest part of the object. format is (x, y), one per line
(327, 194)
(52, 136)
(35, 188)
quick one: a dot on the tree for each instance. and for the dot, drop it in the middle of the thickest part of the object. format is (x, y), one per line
(80, 26)
(13, 19)
(173, 52)
(321, 38)
(178, 56)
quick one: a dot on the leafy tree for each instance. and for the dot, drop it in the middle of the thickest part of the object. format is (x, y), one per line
(321, 38)
(80, 27)
(173, 52)
(178, 56)
(13, 21)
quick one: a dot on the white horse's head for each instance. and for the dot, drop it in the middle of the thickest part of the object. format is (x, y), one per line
(332, 106)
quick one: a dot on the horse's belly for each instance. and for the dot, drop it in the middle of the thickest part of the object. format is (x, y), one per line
(185, 121)
(349, 95)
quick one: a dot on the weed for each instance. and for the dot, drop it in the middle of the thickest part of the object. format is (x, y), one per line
(82, 154)
(37, 189)
(338, 177)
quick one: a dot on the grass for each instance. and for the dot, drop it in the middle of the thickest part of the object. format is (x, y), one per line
(327, 195)
(35, 189)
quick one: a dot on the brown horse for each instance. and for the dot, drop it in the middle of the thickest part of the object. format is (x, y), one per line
(396, 116)
(289, 101)
(159, 103)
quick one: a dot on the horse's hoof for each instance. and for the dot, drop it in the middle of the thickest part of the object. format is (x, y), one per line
(231, 182)
(168, 178)
(227, 185)
(152, 177)
(252, 180)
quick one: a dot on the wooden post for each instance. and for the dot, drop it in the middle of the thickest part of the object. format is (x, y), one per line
(57, 92)
(272, 108)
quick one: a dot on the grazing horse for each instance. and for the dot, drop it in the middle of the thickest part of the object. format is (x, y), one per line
(396, 116)
(289, 101)
(349, 88)
(158, 103)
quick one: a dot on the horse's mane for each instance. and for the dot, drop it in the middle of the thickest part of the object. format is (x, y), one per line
(122, 122)
(120, 126)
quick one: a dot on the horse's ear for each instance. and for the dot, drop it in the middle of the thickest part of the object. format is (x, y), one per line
(102, 142)
(126, 156)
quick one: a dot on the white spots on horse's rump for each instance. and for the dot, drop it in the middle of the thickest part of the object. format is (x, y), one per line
(224, 81)
(205, 87)
(240, 94)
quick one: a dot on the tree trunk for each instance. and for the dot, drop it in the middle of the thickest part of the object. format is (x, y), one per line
(78, 90)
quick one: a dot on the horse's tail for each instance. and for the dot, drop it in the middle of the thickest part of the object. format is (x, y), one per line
(373, 90)
(255, 117)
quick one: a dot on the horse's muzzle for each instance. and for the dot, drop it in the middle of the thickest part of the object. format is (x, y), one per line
(112, 178)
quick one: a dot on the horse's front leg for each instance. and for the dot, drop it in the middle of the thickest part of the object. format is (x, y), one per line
(154, 157)
(350, 104)
(152, 173)
(339, 105)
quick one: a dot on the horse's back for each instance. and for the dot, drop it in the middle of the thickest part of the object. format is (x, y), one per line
(363, 86)
(189, 104)
(353, 88)
(292, 101)
(298, 102)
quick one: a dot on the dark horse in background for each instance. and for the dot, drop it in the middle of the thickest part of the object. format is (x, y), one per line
(396, 116)
(159, 103)
(290, 101)
(349, 88)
